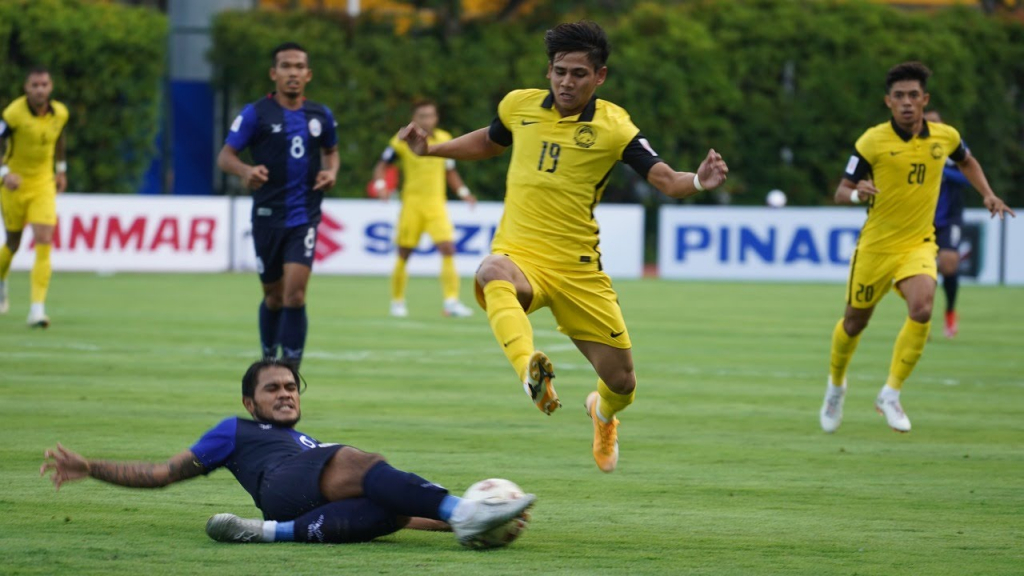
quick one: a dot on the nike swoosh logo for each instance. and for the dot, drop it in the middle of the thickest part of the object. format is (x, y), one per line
(505, 344)
(895, 153)
(617, 334)
(525, 123)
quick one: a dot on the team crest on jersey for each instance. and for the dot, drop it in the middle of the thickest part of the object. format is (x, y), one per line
(936, 150)
(585, 136)
(315, 128)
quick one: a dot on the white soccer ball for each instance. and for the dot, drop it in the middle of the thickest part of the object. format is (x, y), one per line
(776, 199)
(498, 489)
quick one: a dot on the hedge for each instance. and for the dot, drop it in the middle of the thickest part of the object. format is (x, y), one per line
(107, 63)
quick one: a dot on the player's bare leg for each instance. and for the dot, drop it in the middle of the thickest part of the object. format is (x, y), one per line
(7, 252)
(919, 292)
(845, 337)
(949, 265)
(399, 280)
(508, 295)
(450, 283)
(616, 389)
(42, 234)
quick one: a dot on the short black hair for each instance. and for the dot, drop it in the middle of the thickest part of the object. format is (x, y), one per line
(286, 46)
(583, 36)
(422, 103)
(907, 71)
(253, 373)
(37, 69)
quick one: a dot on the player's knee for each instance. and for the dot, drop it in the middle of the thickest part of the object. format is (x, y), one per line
(446, 249)
(295, 298)
(622, 381)
(854, 326)
(13, 241)
(921, 312)
(273, 301)
(490, 271)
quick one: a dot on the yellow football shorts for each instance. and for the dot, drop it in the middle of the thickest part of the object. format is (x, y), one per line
(31, 203)
(872, 274)
(583, 303)
(413, 222)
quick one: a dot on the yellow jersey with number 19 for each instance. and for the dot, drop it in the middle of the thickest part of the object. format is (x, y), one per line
(907, 171)
(557, 174)
(32, 140)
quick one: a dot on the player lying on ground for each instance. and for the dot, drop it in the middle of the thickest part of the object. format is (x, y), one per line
(565, 142)
(307, 491)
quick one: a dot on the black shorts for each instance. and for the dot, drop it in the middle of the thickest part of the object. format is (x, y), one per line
(293, 488)
(275, 246)
(948, 237)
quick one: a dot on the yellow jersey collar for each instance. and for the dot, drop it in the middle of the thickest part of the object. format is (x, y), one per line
(906, 136)
(588, 111)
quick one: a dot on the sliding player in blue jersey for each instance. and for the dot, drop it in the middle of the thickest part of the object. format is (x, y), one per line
(308, 491)
(294, 148)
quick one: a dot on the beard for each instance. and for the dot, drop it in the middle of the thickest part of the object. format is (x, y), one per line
(263, 417)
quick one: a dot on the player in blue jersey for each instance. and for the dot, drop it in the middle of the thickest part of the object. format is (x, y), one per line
(308, 491)
(294, 148)
(949, 219)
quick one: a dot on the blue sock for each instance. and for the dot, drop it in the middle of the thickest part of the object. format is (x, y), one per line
(403, 493)
(448, 506)
(350, 520)
(293, 333)
(284, 532)
(269, 327)
(950, 284)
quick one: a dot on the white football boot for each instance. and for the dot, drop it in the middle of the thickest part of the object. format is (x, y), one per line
(831, 415)
(893, 412)
(455, 309)
(473, 517)
(231, 528)
(398, 309)
(5, 304)
(37, 317)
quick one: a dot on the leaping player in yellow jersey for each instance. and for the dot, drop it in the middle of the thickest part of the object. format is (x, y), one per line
(896, 169)
(424, 209)
(33, 126)
(545, 252)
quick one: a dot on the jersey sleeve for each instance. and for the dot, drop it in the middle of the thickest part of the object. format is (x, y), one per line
(216, 446)
(859, 164)
(500, 131)
(391, 153)
(330, 136)
(958, 152)
(243, 129)
(639, 155)
(7, 123)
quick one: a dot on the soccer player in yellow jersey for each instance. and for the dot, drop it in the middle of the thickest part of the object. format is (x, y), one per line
(33, 127)
(424, 209)
(896, 170)
(565, 142)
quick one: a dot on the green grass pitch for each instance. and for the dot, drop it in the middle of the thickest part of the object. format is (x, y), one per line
(723, 468)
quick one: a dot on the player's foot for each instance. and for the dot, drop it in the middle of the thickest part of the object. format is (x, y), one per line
(37, 318)
(538, 383)
(893, 412)
(456, 309)
(478, 516)
(231, 528)
(606, 436)
(5, 305)
(398, 309)
(831, 415)
(952, 324)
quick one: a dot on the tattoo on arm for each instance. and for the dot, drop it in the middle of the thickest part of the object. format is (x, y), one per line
(147, 474)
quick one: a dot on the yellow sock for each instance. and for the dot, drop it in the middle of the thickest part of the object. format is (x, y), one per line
(449, 278)
(612, 402)
(510, 325)
(41, 274)
(907, 351)
(399, 278)
(843, 346)
(5, 261)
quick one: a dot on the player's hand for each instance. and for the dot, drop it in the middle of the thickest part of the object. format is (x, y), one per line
(324, 180)
(61, 179)
(996, 205)
(415, 137)
(712, 171)
(255, 176)
(865, 189)
(471, 200)
(12, 181)
(67, 466)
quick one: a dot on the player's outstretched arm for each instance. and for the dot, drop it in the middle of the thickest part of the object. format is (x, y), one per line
(865, 190)
(69, 466)
(252, 176)
(711, 173)
(60, 176)
(976, 176)
(476, 145)
(456, 183)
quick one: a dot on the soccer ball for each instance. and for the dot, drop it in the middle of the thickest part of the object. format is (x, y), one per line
(497, 489)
